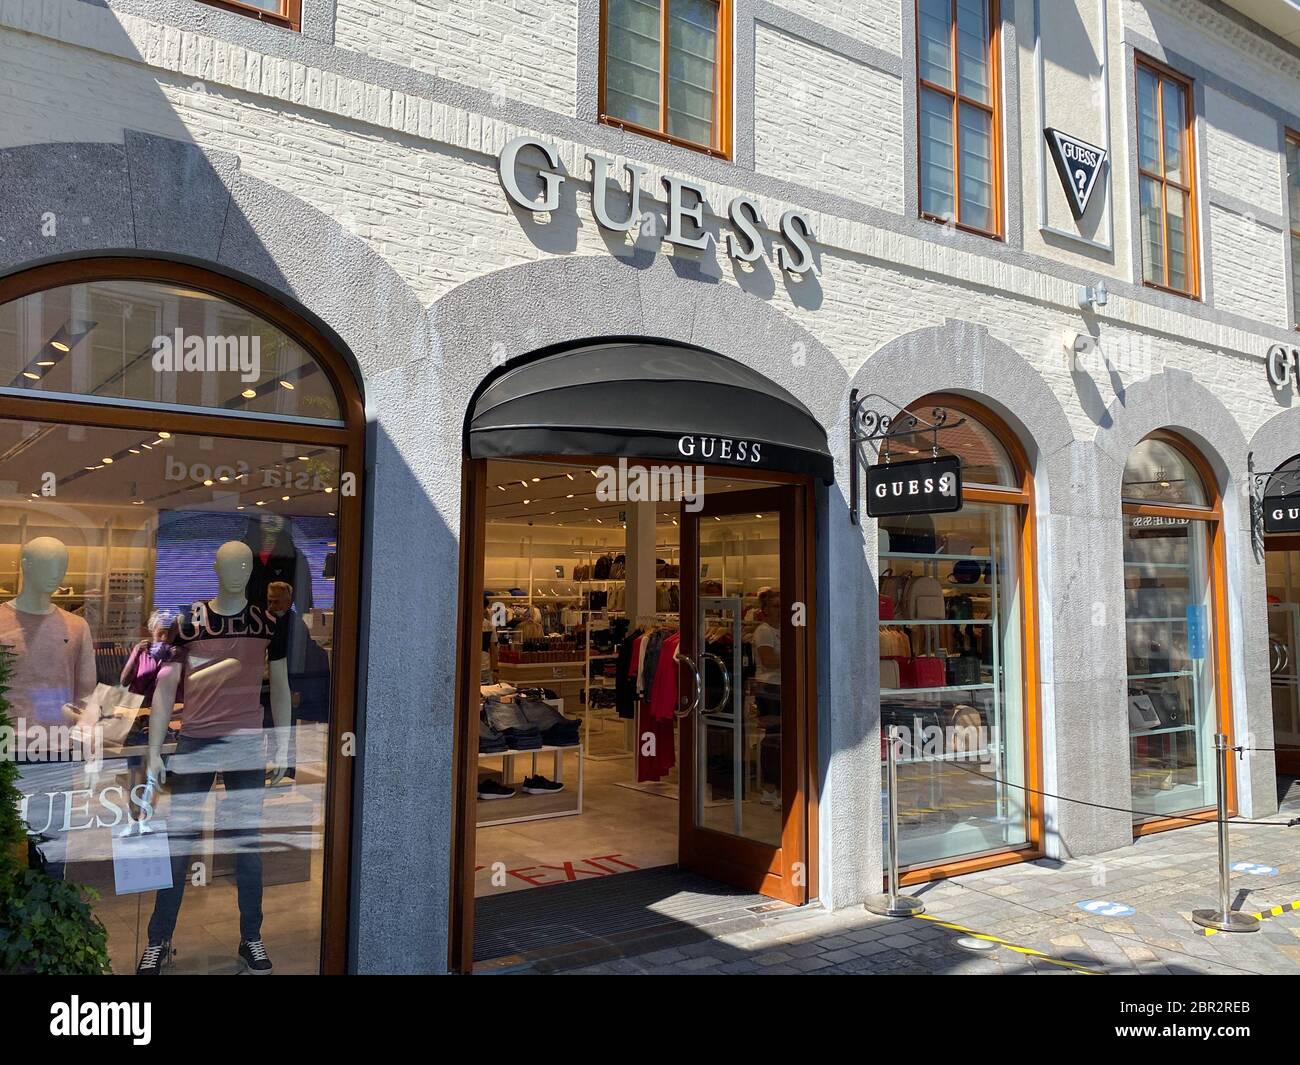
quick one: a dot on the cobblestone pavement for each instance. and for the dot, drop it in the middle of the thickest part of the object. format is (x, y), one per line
(1031, 907)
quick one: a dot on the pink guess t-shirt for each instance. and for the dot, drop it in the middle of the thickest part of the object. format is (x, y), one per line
(229, 698)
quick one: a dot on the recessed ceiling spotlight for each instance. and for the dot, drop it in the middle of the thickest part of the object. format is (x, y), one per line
(501, 488)
(240, 507)
(134, 450)
(328, 491)
(31, 376)
(207, 483)
(569, 476)
(45, 362)
(284, 499)
(249, 393)
(536, 479)
(59, 345)
(569, 496)
(164, 436)
(260, 503)
(223, 478)
(286, 384)
(106, 460)
(526, 501)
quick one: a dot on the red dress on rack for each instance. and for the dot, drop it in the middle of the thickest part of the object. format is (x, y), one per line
(659, 716)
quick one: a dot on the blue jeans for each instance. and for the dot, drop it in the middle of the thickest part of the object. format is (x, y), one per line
(240, 758)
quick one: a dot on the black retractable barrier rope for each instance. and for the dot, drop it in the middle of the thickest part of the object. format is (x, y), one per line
(1124, 810)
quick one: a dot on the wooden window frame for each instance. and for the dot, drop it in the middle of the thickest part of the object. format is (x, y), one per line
(1163, 73)
(289, 15)
(956, 99)
(1212, 516)
(1022, 499)
(1293, 227)
(349, 439)
(722, 86)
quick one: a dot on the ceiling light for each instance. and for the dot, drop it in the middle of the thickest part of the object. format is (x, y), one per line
(31, 376)
(593, 473)
(569, 476)
(304, 458)
(286, 384)
(45, 362)
(106, 461)
(328, 491)
(138, 502)
(526, 501)
(536, 479)
(249, 393)
(59, 345)
(207, 483)
(149, 446)
(331, 513)
(223, 478)
(569, 496)
(164, 436)
(240, 507)
(136, 451)
(758, 515)
(599, 522)
(284, 499)
(501, 488)
(261, 503)
(524, 483)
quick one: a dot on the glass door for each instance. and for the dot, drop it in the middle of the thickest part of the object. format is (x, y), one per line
(743, 653)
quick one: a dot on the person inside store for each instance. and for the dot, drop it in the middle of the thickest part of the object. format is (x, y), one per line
(276, 557)
(488, 657)
(767, 692)
(309, 669)
(140, 674)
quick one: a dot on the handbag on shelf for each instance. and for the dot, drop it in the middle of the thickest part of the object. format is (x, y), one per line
(890, 674)
(886, 608)
(961, 670)
(960, 608)
(925, 671)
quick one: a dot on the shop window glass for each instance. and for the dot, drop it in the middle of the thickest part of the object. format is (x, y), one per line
(1282, 575)
(143, 342)
(984, 458)
(1293, 202)
(1166, 193)
(211, 560)
(1159, 472)
(952, 604)
(1169, 625)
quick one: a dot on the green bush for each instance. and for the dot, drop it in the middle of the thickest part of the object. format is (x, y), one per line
(47, 926)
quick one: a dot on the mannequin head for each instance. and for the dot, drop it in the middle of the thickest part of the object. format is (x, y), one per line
(44, 565)
(234, 565)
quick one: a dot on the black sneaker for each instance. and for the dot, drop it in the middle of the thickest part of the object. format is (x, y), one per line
(256, 960)
(491, 789)
(151, 961)
(539, 785)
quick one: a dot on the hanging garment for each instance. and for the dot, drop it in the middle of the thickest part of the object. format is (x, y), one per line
(655, 736)
(625, 683)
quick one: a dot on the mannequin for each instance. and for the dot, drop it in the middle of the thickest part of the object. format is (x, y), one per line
(226, 644)
(54, 662)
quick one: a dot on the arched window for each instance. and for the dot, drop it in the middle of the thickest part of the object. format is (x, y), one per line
(957, 649)
(1282, 574)
(1173, 591)
(179, 456)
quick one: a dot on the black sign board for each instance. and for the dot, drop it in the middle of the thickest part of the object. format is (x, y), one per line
(919, 486)
(1079, 164)
(1282, 514)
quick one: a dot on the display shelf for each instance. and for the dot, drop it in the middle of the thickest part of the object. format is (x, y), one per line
(1157, 676)
(918, 556)
(1157, 565)
(1166, 731)
(541, 807)
(908, 623)
(1155, 621)
(944, 688)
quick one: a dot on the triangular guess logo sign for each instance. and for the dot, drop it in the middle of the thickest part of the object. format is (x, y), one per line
(1079, 164)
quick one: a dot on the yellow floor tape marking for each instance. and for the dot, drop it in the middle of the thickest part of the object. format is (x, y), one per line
(1263, 915)
(1030, 951)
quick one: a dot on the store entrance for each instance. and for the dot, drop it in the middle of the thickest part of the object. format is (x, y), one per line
(639, 743)
(1282, 575)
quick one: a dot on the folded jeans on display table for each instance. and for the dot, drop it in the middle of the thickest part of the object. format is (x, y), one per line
(490, 741)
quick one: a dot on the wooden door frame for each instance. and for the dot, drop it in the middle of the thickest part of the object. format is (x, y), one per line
(474, 481)
(732, 852)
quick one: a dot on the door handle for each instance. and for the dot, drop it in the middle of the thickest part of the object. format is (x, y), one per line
(681, 659)
(726, 681)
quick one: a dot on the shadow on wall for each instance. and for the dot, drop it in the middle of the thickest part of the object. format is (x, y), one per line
(163, 197)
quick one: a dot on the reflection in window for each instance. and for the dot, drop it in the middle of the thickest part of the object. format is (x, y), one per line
(154, 343)
(208, 560)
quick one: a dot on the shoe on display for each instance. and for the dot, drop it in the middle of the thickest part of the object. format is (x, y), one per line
(491, 789)
(256, 960)
(770, 798)
(539, 785)
(151, 961)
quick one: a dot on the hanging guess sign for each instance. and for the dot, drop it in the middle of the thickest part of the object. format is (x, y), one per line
(1282, 514)
(919, 486)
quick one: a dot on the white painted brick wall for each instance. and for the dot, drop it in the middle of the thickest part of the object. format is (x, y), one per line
(1241, 147)
(1248, 264)
(827, 122)
(876, 22)
(526, 49)
(411, 178)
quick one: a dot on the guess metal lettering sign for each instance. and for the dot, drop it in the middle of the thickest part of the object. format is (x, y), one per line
(920, 486)
(1283, 364)
(1281, 514)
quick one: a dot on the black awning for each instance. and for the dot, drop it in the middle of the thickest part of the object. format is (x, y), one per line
(645, 399)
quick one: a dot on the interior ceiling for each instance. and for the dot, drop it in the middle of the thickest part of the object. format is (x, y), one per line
(1280, 16)
(566, 495)
(164, 474)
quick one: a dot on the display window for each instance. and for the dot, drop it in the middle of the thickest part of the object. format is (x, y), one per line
(175, 558)
(1282, 575)
(957, 651)
(1172, 594)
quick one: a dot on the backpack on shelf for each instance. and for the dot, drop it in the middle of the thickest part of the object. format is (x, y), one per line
(924, 599)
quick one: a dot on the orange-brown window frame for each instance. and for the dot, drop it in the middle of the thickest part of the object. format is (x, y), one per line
(1022, 498)
(721, 146)
(993, 109)
(289, 16)
(1293, 139)
(1162, 74)
(1212, 516)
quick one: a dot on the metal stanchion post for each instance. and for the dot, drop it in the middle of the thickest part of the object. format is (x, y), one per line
(1225, 918)
(893, 904)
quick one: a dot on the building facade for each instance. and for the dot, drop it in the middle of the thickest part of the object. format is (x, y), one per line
(410, 205)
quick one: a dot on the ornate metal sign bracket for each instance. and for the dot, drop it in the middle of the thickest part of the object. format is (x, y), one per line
(1259, 482)
(868, 425)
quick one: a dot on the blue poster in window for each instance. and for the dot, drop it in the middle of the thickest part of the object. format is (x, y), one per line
(1196, 630)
